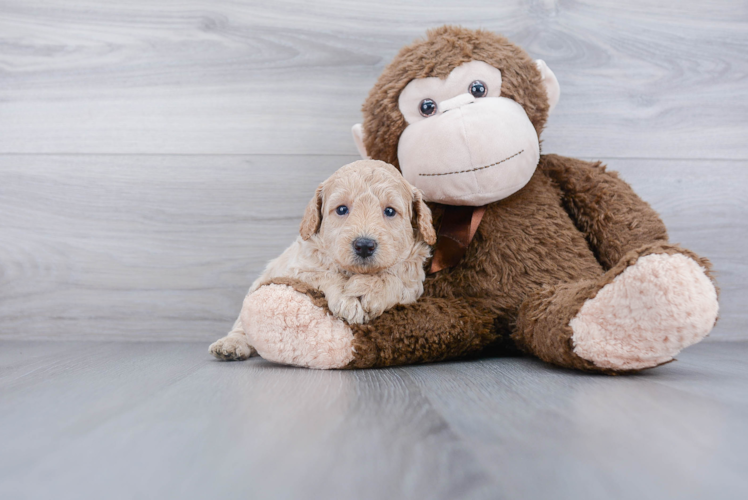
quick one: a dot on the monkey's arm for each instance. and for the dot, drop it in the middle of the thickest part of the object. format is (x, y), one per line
(289, 322)
(604, 207)
(431, 329)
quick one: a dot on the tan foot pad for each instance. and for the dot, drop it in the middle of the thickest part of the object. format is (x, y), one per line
(647, 314)
(287, 326)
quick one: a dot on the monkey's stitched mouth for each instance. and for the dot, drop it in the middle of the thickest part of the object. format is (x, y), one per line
(475, 169)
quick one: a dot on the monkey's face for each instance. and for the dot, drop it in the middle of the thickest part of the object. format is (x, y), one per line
(464, 143)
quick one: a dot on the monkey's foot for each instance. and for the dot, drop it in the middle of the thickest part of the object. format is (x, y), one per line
(294, 328)
(647, 314)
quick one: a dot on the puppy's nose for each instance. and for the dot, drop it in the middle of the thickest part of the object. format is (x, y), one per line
(364, 247)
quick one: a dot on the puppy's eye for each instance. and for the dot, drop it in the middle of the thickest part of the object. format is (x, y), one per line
(427, 107)
(390, 212)
(341, 210)
(478, 89)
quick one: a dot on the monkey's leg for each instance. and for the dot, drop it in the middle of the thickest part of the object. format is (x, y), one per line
(234, 346)
(288, 322)
(656, 301)
(613, 218)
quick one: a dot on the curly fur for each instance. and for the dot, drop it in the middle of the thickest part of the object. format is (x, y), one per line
(356, 289)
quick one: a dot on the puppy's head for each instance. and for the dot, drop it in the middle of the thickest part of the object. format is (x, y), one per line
(367, 217)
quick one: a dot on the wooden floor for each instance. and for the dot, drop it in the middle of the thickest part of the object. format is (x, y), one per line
(160, 420)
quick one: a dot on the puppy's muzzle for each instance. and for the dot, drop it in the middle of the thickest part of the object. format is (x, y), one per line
(364, 247)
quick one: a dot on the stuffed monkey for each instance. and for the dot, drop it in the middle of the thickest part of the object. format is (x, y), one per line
(551, 255)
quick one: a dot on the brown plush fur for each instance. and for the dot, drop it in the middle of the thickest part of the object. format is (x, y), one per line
(526, 273)
(537, 256)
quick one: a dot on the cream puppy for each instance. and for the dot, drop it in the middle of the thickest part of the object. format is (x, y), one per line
(363, 242)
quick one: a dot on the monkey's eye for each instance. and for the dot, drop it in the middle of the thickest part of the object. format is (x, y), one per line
(390, 212)
(341, 210)
(427, 107)
(478, 89)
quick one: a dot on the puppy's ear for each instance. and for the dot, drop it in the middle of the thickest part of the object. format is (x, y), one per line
(422, 216)
(312, 216)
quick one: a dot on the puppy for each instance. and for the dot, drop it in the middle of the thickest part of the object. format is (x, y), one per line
(363, 242)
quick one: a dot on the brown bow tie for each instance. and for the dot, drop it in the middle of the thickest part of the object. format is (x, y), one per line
(456, 231)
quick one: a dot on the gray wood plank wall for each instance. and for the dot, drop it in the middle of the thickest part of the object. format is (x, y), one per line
(153, 155)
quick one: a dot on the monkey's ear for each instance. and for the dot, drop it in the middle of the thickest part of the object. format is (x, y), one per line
(422, 216)
(312, 216)
(358, 138)
(550, 83)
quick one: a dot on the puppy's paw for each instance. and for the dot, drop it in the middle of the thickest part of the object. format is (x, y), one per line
(361, 284)
(349, 309)
(231, 349)
(376, 293)
(375, 304)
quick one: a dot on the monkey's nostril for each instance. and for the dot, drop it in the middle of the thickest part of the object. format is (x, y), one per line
(364, 247)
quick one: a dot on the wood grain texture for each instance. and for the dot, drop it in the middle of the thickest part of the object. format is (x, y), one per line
(639, 79)
(143, 247)
(84, 420)
(164, 247)
(155, 154)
